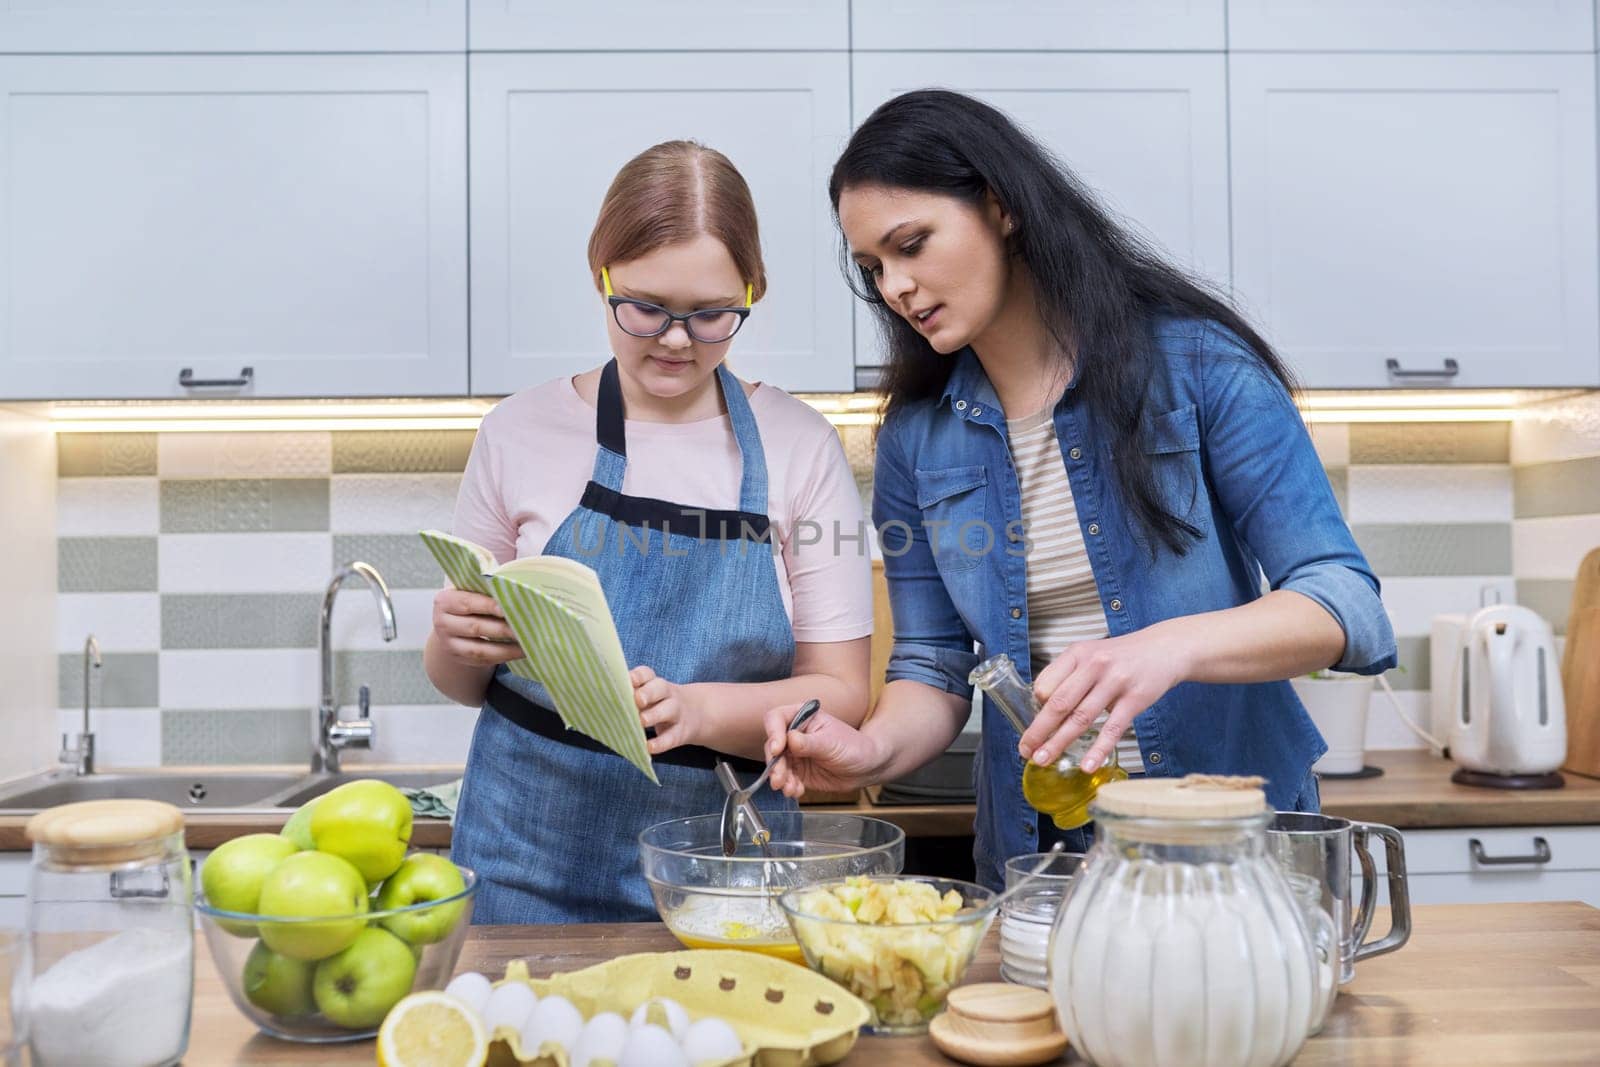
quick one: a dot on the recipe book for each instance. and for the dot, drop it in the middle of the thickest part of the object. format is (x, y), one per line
(558, 611)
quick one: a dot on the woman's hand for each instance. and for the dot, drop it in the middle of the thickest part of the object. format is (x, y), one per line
(1121, 675)
(471, 629)
(825, 754)
(667, 706)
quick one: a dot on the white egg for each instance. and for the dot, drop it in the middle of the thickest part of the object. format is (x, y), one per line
(602, 1039)
(472, 989)
(676, 1019)
(554, 1021)
(710, 1041)
(651, 1046)
(509, 1005)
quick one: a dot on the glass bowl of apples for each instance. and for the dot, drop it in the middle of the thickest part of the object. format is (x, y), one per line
(900, 944)
(318, 931)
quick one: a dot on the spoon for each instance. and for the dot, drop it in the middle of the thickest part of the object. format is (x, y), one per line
(739, 799)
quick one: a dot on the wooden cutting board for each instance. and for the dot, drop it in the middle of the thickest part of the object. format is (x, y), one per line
(1580, 671)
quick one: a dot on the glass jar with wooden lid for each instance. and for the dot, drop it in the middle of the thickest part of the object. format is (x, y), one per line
(111, 934)
(1180, 942)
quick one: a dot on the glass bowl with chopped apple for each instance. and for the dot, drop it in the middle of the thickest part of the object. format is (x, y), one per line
(900, 944)
(318, 931)
(709, 900)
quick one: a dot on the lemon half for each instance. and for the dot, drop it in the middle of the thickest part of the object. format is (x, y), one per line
(432, 1029)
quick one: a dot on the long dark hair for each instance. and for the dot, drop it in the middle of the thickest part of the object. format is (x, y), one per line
(1100, 288)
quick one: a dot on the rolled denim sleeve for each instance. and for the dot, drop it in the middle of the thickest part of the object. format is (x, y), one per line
(932, 644)
(1271, 485)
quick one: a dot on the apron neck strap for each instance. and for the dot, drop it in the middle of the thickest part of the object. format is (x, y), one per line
(611, 460)
(753, 476)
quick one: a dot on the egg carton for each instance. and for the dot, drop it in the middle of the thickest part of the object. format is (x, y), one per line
(784, 1014)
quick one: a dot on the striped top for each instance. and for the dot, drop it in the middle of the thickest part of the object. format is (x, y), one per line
(1063, 599)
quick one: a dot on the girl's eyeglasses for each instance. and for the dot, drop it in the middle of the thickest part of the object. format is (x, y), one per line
(710, 326)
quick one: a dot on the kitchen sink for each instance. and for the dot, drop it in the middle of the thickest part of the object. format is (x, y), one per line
(199, 791)
(321, 784)
(185, 791)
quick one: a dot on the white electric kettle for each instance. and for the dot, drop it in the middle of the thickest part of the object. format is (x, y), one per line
(1509, 729)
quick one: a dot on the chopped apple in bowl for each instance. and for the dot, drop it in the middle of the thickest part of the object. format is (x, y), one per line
(899, 944)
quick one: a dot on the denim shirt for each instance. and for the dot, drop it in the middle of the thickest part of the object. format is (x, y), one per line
(1231, 456)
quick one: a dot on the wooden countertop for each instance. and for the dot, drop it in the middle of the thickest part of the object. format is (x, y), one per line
(1478, 984)
(1414, 792)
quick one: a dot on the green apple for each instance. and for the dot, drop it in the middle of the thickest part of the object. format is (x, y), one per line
(366, 822)
(356, 988)
(278, 984)
(421, 878)
(313, 884)
(232, 876)
(298, 828)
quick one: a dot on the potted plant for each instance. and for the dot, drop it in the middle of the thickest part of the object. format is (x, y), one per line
(1338, 704)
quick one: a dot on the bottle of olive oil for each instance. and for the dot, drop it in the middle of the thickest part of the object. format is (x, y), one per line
(1059, 790)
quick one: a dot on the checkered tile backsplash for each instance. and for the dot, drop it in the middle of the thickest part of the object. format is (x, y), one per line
(199, 561)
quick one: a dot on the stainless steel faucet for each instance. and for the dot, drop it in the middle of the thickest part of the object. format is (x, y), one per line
(80, 755)
(329, 733)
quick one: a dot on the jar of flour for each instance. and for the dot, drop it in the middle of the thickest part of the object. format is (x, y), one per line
(111, 935)
(1180, 942)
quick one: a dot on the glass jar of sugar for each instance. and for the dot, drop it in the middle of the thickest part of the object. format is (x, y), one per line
(1180, 942)
(111, 935)
(1028, 914)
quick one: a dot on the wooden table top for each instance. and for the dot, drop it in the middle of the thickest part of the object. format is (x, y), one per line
(1414, 792)
(1477, 984)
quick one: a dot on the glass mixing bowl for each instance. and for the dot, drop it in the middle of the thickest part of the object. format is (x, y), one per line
(709, 900)
(903, 963)
(398, 951)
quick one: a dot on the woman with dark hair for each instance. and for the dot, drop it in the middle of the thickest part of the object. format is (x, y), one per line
(1087, 461)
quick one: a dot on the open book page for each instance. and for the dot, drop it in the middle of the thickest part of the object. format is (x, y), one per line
(558, 611)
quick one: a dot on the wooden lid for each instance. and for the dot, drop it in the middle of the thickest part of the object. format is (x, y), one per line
(1196, 796)
(999, 1002)
(996, 1024)
(105, 830)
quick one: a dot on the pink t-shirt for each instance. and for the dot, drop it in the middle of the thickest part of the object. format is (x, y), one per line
(535, 453)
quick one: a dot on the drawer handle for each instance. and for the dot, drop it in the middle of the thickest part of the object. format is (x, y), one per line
(1451, 369)
(1541, 854)
(187, 379)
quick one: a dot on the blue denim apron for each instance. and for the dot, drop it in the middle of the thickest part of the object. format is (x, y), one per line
(549, 819)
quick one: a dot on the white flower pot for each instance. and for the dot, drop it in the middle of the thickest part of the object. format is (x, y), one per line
(1338, 706)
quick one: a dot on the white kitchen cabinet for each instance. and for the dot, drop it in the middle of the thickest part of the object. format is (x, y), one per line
(648, 25)
(1419, 210)
(1003, 25)
(302, 216)
(1445, 867)
(234, 26)
(1411, 25)
(547, 140)
(1148, 133)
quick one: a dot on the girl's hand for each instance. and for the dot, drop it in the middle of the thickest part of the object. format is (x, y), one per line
(825, 754)
(472, 629)
(1121, 675)
(668, 707)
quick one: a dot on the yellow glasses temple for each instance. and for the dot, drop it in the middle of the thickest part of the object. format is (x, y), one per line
(749, 288)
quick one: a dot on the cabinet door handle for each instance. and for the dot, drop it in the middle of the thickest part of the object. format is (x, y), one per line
(1541, 854)
(187, 379)
(1451, 369)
